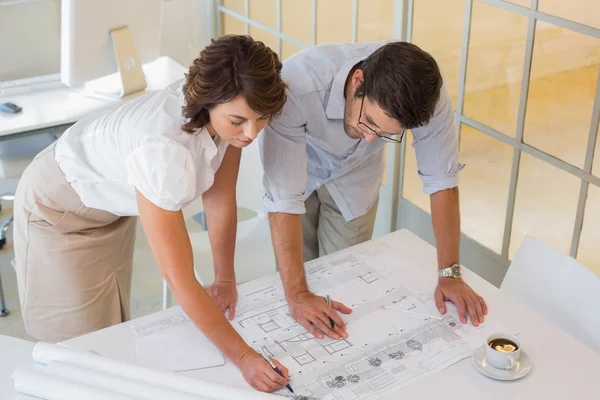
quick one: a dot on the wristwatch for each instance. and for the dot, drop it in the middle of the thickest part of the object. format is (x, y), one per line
(452, 271)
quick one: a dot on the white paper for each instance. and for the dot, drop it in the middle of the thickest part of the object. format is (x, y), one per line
(386, 350)
(48, 387)
(182, 347)
(165, 322)
(45, 353)
(113, 383)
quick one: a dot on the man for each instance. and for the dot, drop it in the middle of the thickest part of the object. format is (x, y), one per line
(323, 160)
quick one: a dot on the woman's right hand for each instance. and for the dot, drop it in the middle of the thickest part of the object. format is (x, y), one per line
(258, 373)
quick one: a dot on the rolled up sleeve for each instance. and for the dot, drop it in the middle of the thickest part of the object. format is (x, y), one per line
(283, 153)
(436, 148)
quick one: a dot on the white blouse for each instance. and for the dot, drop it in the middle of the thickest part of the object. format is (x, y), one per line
(140, 145)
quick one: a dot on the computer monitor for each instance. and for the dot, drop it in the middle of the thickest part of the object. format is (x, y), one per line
(103, 37)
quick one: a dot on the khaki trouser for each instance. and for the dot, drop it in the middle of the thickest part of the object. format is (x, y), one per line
(73, 263)
(325, 230)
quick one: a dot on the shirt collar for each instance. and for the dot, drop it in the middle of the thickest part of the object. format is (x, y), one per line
(336, 102)
(210, 148)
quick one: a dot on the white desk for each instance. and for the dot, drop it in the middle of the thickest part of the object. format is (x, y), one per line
(14, 353)
(55, 107)
(563, 367)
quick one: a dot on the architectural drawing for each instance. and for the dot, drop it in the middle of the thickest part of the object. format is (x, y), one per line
(386, 350)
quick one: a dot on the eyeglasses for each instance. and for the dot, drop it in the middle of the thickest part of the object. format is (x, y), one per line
(385, 138)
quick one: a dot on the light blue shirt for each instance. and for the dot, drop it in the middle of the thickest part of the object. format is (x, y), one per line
(306, 146)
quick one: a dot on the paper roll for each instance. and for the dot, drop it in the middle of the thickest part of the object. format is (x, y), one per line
(114, 383)
(48, 387)
(45, 353)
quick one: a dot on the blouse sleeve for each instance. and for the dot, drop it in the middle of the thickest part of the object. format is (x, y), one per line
(164, 172)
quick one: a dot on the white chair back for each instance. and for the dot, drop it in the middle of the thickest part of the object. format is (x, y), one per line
(254, 256)
(250, 189)
(557, 287)
(17, 154)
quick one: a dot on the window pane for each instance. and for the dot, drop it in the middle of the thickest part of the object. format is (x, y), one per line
(437, 29)
(238, 6)
(484, 184)
(495, 67)
(287, 49)
(545, 204)
(585, 12)
(375, 20)
(596, 165)
(334, 21)
(233, 25)
(296, 19)
(265, 37)
(264, 11)
(523, 3)
(588, 252)
(564, 72)
(412, 189)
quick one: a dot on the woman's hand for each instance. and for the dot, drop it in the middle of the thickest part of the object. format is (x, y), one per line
(224, 294)
(258, 373)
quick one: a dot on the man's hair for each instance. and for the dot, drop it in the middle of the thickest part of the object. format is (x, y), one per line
(404, 80)
(230, 66)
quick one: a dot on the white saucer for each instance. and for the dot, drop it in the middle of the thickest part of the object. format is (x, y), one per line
(521, 368)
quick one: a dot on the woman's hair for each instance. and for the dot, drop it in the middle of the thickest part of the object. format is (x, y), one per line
(230, 66)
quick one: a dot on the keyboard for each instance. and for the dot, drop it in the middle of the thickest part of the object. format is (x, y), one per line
(43, 82)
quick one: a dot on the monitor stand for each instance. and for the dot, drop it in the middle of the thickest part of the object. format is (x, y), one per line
(130, 79)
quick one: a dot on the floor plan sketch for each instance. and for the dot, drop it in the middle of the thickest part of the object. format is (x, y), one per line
(387, 366)
(386, 351)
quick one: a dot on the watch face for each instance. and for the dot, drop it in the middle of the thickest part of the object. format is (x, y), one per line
(456, 270)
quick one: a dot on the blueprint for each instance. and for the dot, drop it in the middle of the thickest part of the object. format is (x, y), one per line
(386, 350)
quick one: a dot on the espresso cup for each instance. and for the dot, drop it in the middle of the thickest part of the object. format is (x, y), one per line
(503, 350)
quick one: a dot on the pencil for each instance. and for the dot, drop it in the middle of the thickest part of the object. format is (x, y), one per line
(328, 300)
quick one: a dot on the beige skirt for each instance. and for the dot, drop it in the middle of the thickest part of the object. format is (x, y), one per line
(73, 263)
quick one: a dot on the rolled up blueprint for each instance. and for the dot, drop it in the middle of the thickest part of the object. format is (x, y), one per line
(114, 383)
(45, 353)
(48, 387)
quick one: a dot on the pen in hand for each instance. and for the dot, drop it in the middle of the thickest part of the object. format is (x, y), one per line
(328, 300)
(272, 364)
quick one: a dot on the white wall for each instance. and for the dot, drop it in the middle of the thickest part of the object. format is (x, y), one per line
(30, 32)
(30, 39)
(187, 27)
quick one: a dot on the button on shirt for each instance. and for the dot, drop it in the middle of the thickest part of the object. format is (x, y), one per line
(139, 145)
(306, 146)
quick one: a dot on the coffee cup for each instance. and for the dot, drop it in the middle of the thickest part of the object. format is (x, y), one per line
(503, 350)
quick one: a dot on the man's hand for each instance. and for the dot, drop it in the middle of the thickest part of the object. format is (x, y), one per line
(313, 313)
(224, 295)
(465, 299)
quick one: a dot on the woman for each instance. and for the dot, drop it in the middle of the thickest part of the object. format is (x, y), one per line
(76, 204)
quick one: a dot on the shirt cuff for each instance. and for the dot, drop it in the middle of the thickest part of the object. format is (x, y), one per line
(284, 206)
(436, 183)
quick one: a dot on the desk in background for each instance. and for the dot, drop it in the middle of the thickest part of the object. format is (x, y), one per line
(52, 107)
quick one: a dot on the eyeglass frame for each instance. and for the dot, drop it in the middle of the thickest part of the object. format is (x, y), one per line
(380, 136)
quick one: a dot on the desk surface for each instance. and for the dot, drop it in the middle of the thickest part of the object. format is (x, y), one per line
(562, 366)
(59, 105)
(14, 353)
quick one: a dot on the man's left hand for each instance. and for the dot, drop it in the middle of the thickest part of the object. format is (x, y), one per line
(465, 299)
